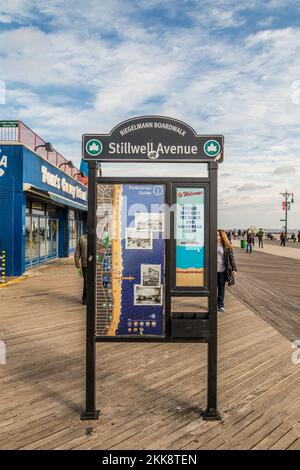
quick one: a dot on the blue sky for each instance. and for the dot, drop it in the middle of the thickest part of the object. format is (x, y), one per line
(225, 66)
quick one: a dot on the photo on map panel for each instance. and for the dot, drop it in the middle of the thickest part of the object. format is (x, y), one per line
(153, 221)
(138, 240)
(147, 295)
(150, 275)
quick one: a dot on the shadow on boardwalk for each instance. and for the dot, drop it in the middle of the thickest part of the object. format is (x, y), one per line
(150, 395)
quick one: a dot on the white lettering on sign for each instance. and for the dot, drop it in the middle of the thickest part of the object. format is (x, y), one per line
(61, 183)
(3, 163)
(50, 178)
(150, 125)
(68, 188)
(128, 148)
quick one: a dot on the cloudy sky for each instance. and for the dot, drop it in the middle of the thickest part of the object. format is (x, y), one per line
(226, 66)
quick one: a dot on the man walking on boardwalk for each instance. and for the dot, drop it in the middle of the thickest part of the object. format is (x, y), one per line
(260, 236)
(80, 258)
(250, 241)
(282, 239)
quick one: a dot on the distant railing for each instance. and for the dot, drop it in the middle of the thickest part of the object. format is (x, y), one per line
(17, 131)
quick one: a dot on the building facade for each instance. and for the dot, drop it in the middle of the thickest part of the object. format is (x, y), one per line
(42, 207)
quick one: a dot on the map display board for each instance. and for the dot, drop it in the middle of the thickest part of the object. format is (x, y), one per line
(130, 260)
(189, 234)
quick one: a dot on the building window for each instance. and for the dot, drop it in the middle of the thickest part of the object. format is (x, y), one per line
(51, 211)
(28, 206)
(75, 229)
(41, 239)
(38, 208)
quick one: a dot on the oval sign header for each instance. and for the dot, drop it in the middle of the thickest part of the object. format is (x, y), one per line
(152, 139)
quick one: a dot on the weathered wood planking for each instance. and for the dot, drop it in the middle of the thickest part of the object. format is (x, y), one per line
(270, 286)
(149, 394)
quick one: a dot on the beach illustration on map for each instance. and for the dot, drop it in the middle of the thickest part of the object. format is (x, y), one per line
(190, 237)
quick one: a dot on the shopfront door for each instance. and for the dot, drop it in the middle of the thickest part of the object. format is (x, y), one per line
(53, 238)
(41, 239)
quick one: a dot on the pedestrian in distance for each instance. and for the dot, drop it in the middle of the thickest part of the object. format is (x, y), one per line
(298, 235)
(226, 266)
(260, 236)
(250, 241)
(80, 258)
(282, 239)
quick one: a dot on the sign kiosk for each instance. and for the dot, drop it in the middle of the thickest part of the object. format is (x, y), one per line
(151, 239)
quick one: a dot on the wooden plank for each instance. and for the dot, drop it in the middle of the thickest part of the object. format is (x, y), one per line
(164, 384)
(270, 286)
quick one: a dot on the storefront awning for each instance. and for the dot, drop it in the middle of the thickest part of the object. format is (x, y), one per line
(36, 191)
(49, 196)
(67, 202)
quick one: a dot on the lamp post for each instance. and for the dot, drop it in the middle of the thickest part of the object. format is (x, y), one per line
(80, 173)
(48, 147)
(69, 163)
(286, 196)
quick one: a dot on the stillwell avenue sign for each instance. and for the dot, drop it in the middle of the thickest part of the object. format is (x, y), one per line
(152, 139)
(169, 263)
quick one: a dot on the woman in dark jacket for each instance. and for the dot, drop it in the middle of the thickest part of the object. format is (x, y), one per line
(226, 266)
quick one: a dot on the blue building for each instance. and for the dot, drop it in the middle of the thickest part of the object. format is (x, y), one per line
(42, 207)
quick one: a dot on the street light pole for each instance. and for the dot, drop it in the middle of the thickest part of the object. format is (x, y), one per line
(286, 196)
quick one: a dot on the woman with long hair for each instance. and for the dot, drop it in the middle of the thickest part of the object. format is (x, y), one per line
(226, 266)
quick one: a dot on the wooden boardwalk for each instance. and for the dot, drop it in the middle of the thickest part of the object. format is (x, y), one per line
(149, 394)
(270, 286)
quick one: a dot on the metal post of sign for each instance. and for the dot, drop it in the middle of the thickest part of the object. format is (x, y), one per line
(211, 412)
(90, 411)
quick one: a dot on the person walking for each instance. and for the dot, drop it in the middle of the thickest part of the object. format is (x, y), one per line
(282, 239)
(298, 236)
(260, 236)
(80, 258)
(250, 241)
(226, 266)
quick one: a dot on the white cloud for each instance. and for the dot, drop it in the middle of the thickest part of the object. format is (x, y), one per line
(241, 89)
(285, 170)
(252, 187)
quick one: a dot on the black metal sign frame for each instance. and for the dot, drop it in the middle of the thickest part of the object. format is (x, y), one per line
(178, 327)
(151, 139)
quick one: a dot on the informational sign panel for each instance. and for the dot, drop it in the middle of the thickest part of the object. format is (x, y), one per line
(130, 260)
(152, 139)
(190, 237)
(136, 234)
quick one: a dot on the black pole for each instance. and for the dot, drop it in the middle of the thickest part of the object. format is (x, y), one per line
(211, 412)
(286, 213)
(90, 411)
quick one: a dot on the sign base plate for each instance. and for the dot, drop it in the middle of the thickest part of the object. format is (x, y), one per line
(88, 415)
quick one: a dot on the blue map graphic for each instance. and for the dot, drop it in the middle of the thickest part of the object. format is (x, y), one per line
(145, 319)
